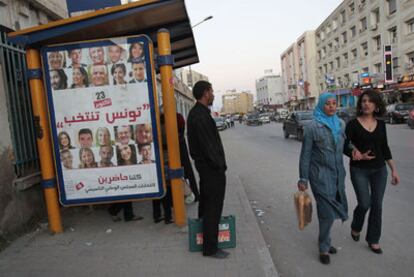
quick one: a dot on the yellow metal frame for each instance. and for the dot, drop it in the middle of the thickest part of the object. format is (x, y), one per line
(170, 113)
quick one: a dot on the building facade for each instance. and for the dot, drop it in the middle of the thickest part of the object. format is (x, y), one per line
(269, 89)
(189, 76)
(19, 166)
(237, 102)
(299, 73)
(350, 42)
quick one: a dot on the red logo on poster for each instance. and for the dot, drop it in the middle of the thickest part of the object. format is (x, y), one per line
(102, 103)
(79, 186)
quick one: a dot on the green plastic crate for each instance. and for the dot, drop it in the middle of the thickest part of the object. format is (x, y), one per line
(226, 237)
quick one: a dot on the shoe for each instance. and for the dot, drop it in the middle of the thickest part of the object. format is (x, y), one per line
(324, 258)
(332, 250)
(116, 218)
(375, 250)
(134, 218)
(220, 254)
(168, 221)
(355, 237)
(158, 219)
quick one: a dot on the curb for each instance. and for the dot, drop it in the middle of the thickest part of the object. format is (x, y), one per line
(264, 254)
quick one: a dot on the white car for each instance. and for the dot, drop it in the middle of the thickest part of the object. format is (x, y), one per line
(264, 119)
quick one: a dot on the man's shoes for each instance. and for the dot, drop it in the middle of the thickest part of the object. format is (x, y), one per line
(134, 218)
(220, 254)
(324, 258)
(375, 250)
(116, 218)
(332, 250)
(354, 237)
(168, 221)
(158, 219)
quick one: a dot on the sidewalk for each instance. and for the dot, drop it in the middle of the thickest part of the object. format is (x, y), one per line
(93, 245)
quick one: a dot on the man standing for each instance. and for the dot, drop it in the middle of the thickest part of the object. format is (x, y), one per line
(207, 151)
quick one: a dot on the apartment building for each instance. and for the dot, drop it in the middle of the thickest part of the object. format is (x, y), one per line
(351, 42)
(299, 74)
(237, 102)
(269, 89)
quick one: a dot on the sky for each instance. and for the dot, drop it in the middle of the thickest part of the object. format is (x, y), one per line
(244, 38)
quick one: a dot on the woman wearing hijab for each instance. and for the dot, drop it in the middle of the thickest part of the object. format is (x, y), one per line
(321, 164)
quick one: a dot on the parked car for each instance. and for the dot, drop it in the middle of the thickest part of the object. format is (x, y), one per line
(295, 122)
(264, 118)
(410, 120)
(346, 114)
(253, 119)
(220, 123)
(397, 113)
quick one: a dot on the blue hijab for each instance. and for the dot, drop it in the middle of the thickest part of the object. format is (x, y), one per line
(332, 122)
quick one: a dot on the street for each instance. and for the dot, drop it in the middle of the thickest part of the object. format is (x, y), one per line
(267, 165)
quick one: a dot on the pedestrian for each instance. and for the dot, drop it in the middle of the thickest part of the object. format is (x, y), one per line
(185, 159)
(368, 149)
(207, 151)
(166, 201)
(321, 164)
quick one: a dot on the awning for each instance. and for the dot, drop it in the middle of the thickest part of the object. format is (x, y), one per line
(143, 17)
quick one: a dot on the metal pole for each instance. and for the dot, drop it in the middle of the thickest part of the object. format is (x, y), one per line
(44, 143)
(170, 114)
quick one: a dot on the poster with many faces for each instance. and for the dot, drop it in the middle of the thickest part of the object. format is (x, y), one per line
(103, 114)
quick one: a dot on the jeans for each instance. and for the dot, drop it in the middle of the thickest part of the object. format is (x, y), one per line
(369, 186)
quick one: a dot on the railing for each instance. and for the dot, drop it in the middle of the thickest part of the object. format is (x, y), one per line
(19, 107)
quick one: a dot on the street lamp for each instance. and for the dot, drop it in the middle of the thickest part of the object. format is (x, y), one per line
(192, 27)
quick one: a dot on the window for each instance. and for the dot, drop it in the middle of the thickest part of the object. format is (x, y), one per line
(351, 7)
(345, 55)
(344, 38)
(353, 31)
(334, 24)
(354, 53)
(320, 71)
(377, 67)
(410, 58)
(323, 35)
(410, 26)
(364, 49)
(338, 62)
(343, 17)
(365, 69)
(331, 67)
(325, 67)
(393, 34)
(395, 62)
(330, 47)
(363, 23)
(336, 43)
(392, 6)
(375, 18)
(377, 43)
(323, 52)
(319, 55)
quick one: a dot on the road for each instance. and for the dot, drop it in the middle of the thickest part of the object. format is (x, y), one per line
(267, 165)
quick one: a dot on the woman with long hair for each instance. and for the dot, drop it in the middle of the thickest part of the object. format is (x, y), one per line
(87, 158)
(103, 137)
(64, 141)
(118, 72)
(321, 164)
(369, 152)
(126, 154)
(79, 78)
(136, 53)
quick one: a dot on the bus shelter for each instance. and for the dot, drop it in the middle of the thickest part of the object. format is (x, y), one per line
(92, 82)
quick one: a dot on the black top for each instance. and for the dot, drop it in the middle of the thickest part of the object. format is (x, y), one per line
(204, 140)
(363, 140)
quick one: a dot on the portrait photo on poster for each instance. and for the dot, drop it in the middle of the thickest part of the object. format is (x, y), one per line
(101, 101)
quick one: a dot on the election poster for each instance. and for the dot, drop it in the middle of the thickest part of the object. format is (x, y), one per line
(103, 111)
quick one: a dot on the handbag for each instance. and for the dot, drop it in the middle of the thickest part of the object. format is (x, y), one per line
(303, 205)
